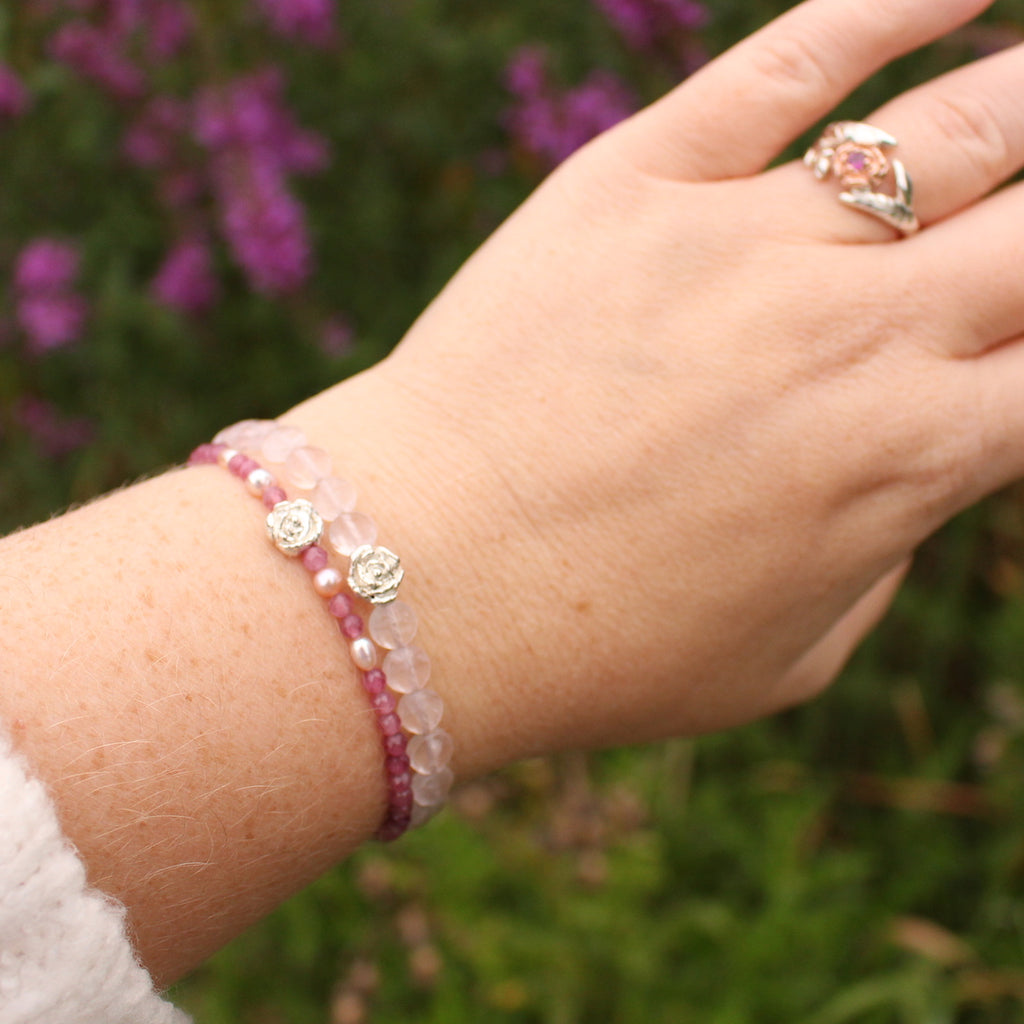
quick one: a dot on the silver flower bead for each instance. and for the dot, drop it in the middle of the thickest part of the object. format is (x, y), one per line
(375, 574)
(294, 525)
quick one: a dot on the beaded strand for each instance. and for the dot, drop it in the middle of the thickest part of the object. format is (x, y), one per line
(408, 714)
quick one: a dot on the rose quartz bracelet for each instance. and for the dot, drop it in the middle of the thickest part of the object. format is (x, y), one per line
(417, 751)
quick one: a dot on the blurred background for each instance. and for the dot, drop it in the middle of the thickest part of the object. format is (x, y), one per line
(210, 209)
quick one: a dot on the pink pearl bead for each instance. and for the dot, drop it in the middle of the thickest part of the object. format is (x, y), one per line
(340, 606)
(374, 683)
(352, 626)
(273, 496)
(314, 558)
(333, 496)
(305, 467)
(327, 582)
(363, 653)
(258, 481)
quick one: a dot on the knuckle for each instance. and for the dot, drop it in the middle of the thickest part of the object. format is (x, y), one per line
(792, 62)
(969, 123)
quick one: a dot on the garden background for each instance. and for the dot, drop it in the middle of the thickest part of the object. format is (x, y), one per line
(212, 209)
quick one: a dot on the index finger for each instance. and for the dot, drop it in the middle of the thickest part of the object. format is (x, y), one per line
(734, 116)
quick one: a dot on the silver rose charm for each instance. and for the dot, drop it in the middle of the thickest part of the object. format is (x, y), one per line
(375, 574)
(294, 525)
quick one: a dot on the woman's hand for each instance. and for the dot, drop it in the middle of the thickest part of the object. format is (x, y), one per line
(659, 453)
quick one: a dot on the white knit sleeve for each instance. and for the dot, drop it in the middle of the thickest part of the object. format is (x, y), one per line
(65, 957)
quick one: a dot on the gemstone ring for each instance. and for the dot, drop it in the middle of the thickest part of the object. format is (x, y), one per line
(855, 153)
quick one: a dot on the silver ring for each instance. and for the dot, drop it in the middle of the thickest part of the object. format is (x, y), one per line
(855, 153)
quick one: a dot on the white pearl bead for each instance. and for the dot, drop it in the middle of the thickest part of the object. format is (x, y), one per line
(333, 496)
(431, 752)
(364, 654)
(258, 481)
(393, 625)
(407, 669)
(226, 456)
(281, 442)
(432, 790)
(351, 530)
(421, 712)
(305, 467)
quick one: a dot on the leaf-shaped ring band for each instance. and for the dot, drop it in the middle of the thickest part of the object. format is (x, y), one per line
(855, 153)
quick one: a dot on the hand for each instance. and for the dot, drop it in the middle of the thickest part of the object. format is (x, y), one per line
(664, 446)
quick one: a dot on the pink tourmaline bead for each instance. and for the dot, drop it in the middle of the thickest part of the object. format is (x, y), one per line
(351, 530)
(352, 626)
(327, 582)
(241, 465)
(403, 788)
(407, 669)
(402, 803)
(274, 496)
(314, 558)
(389, 724)
(334, 496)
(374, 682)
(205, 455)
(393, 625)
(340, 606)
(395, 746)
(403, 780)
(396, 766)
(421, 712)
(391, 830)
(305, 467)
(281, 442)
(384, 703)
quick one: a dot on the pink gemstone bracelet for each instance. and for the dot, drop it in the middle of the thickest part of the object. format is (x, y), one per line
(394, 671)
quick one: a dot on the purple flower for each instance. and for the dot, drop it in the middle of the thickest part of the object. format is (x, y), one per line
(642, 23)
(96, 55)
(170, 28)
(154, 137)
(186, 279)
(54, 432)
(46, 265)
(551, 124)
(13, 95)
(309, 21)
(51, 320)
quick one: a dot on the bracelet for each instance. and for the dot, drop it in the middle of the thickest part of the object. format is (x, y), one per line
(417, 751)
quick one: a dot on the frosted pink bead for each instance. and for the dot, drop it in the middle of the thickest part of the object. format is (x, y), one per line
(333, 496)
(352, 626)
(314, 558)
(363, 653)
(374, 683)
(247, 436)
(407, 669)
(327, 582)
(431, 752)
(273, 496)
(389, 725)
(340, 606)
(395, 746)
(431, 790)
(393, 625)
(383, 703)
(351, 530)
(305, 467)
(281, 442)
(421, 712)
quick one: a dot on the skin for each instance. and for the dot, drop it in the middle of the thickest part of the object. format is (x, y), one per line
(604, 454)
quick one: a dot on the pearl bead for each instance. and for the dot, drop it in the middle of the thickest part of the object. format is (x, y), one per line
(281, 442)
(421, 712)
(431, 790)
(327, 582)
(393, 625)
(431, 752)
(226, 455)
(364, 654)
(407, 669)
(351, 530)
(258, 481)
(305, 467)
(332, 496)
